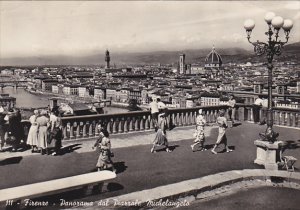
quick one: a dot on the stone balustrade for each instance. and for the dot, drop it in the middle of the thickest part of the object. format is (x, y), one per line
(281, 116)
(77, 127)
(81, 127)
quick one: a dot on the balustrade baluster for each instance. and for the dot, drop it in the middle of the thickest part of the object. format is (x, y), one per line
(65, 132)
(96, 129)
(109, 126)
(121, 126)
(288, 119)
(210, 116)
(126, 125)
(275, 117)
(77, 131)
(175, 120)
(297, 119)
(279, 118)
(72, 131)
(284, 118)
(293, 119)
(91, 130)
(114, 126)
(180, 119)
(131, 125)
(249, 117)
(151, 123)
(84, 134)
(184, 119)
(147, 123)
(215, 115)
(190, 118)
(194, 115)
(142, 124)
(245, 114)
(136, 124)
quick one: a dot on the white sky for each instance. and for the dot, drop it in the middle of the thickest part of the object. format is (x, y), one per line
(29, 28)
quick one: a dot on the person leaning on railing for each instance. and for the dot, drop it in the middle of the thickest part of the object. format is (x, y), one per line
(264, 109)
(256, 108)
(2, 130)
(231, 108)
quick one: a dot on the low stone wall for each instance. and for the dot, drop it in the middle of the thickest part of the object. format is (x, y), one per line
(187, 191)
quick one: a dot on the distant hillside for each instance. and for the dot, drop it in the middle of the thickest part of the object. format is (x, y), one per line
(291, 52)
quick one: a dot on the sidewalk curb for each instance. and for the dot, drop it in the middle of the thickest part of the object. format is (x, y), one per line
(193, 187)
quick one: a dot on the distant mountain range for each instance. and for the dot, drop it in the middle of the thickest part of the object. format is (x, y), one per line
(291, 52)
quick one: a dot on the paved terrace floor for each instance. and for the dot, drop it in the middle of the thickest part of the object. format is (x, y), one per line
(137, 168)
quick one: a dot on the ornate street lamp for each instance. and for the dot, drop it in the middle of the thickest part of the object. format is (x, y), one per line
(272, 47)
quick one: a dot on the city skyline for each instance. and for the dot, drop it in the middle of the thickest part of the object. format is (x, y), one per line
(85, 28)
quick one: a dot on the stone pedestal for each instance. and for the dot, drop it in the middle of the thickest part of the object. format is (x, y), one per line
(268, 154)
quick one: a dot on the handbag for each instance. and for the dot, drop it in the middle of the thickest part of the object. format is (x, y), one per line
(112, 154)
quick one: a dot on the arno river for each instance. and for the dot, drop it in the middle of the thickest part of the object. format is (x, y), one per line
(28, 100)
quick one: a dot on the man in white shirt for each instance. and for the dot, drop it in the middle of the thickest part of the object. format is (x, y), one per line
(161, 105)
(154, 111)
(256, 108)
(264, 110)
(231, 108)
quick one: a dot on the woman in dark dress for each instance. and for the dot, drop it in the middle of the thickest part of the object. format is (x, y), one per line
(161, 135)
(55, 136)
(104, 160)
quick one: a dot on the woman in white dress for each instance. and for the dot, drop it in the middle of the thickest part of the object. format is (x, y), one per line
(43, 124)
(222, 139)
(199, 132)
(32, 138)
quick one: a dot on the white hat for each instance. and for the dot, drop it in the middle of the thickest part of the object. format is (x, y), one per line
(200, 111)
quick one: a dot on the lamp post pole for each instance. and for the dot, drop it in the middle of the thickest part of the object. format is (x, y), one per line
(272, 47)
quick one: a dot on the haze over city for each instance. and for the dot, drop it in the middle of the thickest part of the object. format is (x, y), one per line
(43, 28)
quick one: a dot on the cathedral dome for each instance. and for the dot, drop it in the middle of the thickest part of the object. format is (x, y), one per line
(213, 59)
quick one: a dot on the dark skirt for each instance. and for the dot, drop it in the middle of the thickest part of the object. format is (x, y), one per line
(55, 138)
(160, 139)
(104, 160)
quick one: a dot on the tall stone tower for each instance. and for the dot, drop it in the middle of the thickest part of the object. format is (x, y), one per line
(182, 63)
(107, 59)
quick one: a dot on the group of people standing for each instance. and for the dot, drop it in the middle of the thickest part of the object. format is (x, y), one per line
(45, 132)
(44, 135)
(10, 127)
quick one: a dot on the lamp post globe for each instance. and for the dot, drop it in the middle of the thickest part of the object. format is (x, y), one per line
(269, 16)
(249, 24)
(287, 25)
(277, 22)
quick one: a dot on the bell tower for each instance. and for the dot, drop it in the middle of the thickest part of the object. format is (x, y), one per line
(182, 64)
(107, 59)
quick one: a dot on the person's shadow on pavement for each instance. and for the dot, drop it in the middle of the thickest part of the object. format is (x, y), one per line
(12, 160)
(69, 149)
(120, 167)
